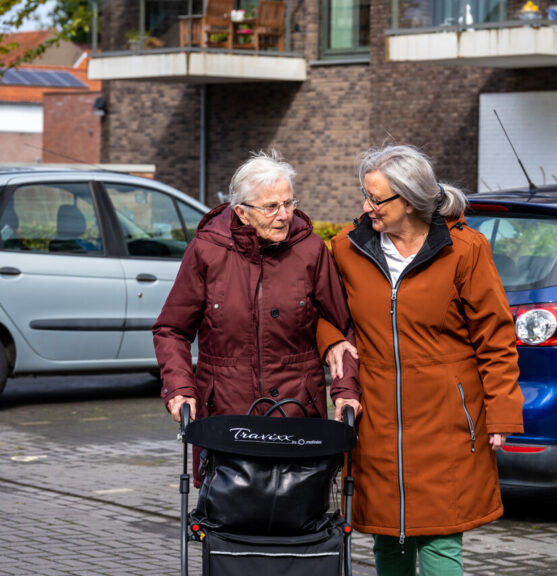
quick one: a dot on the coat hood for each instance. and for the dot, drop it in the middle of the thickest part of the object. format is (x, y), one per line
(221, 226)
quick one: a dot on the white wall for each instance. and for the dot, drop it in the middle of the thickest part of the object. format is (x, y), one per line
(530, 119)
(21, 118)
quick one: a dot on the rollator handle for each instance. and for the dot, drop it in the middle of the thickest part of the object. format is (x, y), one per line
(348, 415)
(185, 411)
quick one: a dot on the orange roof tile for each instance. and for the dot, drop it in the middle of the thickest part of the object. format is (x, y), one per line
(26, 41)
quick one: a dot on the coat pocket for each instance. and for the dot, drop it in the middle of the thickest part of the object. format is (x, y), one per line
(469, 419)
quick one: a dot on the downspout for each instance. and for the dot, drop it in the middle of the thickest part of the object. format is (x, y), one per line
(202, 141)
(288, 36)
(95, 27)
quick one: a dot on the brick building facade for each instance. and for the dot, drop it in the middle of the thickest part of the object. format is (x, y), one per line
(71, 130)
(320, 125)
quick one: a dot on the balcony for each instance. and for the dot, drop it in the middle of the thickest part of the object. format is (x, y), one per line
(492, 33)
(185, 41)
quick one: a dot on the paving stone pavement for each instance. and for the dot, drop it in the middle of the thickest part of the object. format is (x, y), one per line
(111, 509)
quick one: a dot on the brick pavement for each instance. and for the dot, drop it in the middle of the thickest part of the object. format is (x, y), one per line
(112, 509)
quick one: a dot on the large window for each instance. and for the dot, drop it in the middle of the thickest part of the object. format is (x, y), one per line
(345, 28)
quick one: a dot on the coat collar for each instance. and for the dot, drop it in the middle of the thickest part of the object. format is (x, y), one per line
(221, 226)
(368, 241)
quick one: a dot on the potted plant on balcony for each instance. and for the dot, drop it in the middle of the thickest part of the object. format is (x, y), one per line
(133, 38)
(530, 11)
(244, 35)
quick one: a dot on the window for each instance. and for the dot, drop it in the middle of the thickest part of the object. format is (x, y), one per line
(51, 218)
(153, 223)
(345, 28)
(524, 248)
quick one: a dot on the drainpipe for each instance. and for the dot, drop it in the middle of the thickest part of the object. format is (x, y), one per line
(202, 140)
(141, 24)
(287, 35)
(95, 27)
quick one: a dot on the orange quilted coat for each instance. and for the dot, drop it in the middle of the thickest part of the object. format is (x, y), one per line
(438, 372)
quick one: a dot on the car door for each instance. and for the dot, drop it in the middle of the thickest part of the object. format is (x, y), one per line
(156, 227)
(65, 298)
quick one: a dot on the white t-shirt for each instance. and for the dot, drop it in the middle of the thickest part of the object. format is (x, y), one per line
(395, 261)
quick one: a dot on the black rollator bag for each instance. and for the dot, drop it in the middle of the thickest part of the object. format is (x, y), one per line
(266, 487)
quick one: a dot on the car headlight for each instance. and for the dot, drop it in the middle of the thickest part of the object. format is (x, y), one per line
(535, 326)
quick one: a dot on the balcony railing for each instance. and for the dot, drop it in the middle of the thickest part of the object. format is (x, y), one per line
(155, 26)
(196, 41)
(427, 16)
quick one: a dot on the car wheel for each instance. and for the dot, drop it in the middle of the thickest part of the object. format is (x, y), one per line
(4, 368)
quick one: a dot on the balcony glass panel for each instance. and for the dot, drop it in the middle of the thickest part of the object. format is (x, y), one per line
(430, 13)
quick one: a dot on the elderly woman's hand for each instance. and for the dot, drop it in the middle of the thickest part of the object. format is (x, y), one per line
(497, 440)
(341, 402)
(175, 403)
(335, 354)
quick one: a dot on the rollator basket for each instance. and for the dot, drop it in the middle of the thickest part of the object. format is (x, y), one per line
(236, 555)
(266, 486)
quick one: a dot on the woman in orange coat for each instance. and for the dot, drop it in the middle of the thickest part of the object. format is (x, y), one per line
(438, 366)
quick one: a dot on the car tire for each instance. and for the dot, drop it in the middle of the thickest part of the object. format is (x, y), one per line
(4, 368)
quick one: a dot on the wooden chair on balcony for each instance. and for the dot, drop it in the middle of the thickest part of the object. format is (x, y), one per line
(268, 30)
(214, 28)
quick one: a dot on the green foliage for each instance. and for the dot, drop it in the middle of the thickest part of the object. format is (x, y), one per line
(70, 10)
(529, 237)
(218, 37)
(327, 230)
(72, 19)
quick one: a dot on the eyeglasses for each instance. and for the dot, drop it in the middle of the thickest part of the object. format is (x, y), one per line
(274, 208)
(376, 203)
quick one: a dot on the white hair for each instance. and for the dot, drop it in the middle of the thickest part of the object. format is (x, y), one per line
(411, 175)
(261, 171)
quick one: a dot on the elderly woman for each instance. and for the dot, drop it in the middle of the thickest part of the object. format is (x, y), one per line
(438, 366)
(251, 286)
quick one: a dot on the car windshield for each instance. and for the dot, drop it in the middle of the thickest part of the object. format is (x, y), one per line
(524, 247)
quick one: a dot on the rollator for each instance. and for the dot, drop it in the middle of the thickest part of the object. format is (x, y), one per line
(263, 506)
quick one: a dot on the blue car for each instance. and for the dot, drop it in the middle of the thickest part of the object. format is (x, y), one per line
(521, 226)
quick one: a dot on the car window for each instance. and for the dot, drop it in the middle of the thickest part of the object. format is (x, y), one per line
(51, 218)
(149, 220)
(524, 248)
(191, 218)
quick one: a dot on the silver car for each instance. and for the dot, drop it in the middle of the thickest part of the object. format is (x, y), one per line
(86, 262)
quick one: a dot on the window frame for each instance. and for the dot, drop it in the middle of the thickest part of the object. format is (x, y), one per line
(324, 29)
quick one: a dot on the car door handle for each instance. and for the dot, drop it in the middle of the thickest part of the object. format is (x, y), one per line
(146, 278)
(10, 271)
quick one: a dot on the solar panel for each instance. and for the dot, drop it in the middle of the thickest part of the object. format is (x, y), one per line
(50, 78)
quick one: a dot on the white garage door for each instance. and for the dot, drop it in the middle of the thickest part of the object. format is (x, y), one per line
(530, 119)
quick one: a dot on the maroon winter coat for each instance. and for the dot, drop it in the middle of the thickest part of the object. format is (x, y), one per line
(254, 312)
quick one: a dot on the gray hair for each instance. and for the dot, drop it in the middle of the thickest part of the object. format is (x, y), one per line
(411, 175)
(260, 171)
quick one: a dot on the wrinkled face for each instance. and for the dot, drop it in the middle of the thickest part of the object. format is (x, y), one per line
(270, 229)
(390, 216)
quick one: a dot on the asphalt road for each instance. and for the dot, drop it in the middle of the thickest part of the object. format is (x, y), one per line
(89, 470)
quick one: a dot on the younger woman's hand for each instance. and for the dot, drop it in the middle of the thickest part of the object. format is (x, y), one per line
(335, 355)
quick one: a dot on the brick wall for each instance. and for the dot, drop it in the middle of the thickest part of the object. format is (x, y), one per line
(154, 123)
(71, 131)
(18, 147)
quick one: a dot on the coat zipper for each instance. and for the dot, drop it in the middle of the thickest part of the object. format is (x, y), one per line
(469, 419)
(259, 329)
(400, 462)
(396, 350)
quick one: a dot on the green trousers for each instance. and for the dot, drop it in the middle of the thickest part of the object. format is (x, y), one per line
(437, 555)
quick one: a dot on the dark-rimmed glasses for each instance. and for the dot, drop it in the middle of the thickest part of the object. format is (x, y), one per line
(274, 208)
(376, 203)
